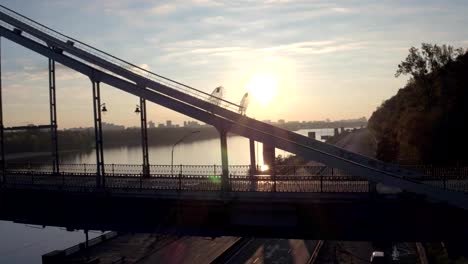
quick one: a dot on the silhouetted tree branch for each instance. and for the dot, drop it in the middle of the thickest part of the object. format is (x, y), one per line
(421, 63)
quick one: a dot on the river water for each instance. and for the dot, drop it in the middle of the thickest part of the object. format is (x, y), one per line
(202, 152)
(21, 243)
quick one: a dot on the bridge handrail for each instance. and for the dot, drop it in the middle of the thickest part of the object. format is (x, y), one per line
(239, 183)
(428, 171)
(144, 73)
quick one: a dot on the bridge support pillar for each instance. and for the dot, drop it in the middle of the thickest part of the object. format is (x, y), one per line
(144, 138)
(100, 173)
(53, 118)
(269, 159)
(2, 139)
(253, 164)
(225, 184)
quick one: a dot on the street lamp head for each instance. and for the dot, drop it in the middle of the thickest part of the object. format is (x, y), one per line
(104, 109)
(137, 109)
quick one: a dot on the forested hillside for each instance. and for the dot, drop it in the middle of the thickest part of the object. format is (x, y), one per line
(426, 121)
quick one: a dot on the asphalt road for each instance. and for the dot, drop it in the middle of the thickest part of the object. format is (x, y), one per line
(361, 141)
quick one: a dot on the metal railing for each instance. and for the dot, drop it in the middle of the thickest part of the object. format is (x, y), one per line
(208, 178)
(115, 61)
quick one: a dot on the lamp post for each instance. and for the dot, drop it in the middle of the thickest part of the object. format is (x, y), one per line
(175, 144)
(98, 108)
(104, 108)
(141, 110)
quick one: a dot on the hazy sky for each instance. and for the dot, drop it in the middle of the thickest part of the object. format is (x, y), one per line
(327, 59)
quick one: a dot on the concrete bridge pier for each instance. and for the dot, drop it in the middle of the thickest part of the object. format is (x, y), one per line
(253, 164)
(225, 186)
(268, 155)
(269, 159)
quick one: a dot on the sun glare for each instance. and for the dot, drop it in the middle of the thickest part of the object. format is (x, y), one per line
(262, 87)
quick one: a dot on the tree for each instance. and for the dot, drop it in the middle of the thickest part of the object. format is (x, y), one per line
(431, 58)
(420, 63)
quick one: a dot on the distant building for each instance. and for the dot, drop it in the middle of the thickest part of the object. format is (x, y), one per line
(160, 125)
(110, 126)
(281, 122)
(169, 123)
(151, 124)
(191, 124)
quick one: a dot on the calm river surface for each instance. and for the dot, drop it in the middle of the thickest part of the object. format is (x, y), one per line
(202, 152)
(20, 243)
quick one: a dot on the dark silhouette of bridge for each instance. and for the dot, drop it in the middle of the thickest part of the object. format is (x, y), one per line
(229, 201)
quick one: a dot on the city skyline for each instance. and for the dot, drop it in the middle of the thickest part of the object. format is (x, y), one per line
(310, 60)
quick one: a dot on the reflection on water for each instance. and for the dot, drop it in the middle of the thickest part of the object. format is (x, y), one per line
(203, 152)
(20, 243)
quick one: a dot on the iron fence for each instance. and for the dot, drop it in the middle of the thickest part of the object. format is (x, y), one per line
(208, 178)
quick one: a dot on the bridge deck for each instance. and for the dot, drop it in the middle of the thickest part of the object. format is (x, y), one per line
(207, 178)
(343, 216)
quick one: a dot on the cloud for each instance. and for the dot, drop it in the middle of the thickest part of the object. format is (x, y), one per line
(211, 3)
(28, 71)
(163, 9)
(206, 48)
(207, 41)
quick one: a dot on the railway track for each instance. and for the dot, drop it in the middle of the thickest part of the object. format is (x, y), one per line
(315, 253)
(232, 251)
(242, 244)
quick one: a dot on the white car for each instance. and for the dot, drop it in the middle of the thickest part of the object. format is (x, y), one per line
(377, 257)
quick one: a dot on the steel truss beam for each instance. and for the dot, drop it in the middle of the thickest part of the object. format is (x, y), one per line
(53, 117)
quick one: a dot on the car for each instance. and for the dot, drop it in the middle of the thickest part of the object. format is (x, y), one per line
(377, 257)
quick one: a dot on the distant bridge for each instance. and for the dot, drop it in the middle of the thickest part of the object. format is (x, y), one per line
(270, 191)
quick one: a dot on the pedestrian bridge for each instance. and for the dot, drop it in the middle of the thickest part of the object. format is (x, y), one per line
(335, 200)
(313, 202)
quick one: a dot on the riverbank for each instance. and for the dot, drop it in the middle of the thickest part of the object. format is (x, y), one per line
(34, 141)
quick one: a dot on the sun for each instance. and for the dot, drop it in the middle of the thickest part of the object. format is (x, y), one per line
(262, 87)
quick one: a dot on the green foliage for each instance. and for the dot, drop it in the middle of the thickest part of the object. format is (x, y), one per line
(420, 64)
(424, 121)
(430, 58)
